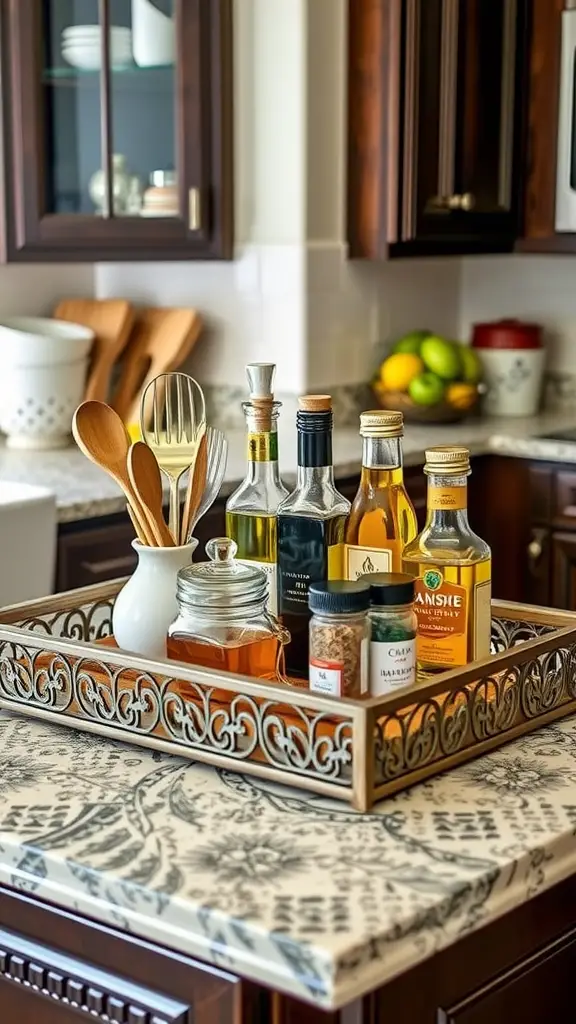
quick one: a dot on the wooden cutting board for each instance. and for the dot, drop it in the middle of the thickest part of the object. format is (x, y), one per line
(160, 342)
(111, 320)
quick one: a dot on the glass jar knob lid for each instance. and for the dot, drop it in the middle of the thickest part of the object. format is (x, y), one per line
(222, 579)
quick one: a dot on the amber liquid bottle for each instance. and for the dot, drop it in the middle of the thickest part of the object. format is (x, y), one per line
(452, 566)
(311, 524)
(382, 519)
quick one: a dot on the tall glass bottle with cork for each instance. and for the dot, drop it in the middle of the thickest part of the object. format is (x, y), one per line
(311, 525)
(452, 566)
(251, 509)
(382, 520)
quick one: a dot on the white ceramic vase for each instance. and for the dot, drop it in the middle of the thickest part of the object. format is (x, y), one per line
(153, 35)
(147, 605)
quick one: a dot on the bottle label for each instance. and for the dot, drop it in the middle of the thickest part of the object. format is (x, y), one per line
(442, 612)
(272, 575)
(392, 665)
(482, 619)
(263, 447)
(447, 498)
(326, 677)
(359, 561)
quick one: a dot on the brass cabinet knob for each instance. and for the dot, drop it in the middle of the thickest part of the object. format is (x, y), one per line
(464, 202)
(534, 549)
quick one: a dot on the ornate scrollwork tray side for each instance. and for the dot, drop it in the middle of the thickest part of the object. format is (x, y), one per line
(55, 665)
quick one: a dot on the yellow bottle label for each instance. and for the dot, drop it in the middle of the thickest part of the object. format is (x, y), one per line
(359, 561)
(262, 447)
(442, 612)
(447, 498)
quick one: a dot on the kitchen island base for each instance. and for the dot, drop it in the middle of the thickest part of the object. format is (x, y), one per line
(57, 967)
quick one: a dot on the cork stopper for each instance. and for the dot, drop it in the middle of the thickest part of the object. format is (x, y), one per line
(447, 460)
(315, 403)
(381, 423)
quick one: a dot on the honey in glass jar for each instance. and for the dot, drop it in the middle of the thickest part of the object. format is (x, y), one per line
(223, 622)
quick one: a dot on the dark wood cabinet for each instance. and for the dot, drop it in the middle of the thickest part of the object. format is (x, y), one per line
(436, 125)
(117, 142)
(563, 554)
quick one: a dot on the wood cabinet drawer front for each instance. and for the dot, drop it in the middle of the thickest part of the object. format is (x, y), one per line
(95, 555)
(50, 977)
(537, 990)
(564, 503)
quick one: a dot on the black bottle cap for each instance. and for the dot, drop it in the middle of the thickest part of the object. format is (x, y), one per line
(388, 588)
(339, 596)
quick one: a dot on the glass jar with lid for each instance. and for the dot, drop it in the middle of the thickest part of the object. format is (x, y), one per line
(223, 623)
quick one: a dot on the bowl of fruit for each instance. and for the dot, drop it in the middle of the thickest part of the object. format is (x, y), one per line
(429, 378)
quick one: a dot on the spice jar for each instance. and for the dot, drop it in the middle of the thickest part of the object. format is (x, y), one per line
(393, 632)
(339, 634)
(223, 622)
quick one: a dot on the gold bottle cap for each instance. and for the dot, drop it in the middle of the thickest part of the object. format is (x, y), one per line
(315, 403)
(447, 460)
(381, 423)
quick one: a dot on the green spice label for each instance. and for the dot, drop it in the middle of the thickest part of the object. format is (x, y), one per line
(263, 447)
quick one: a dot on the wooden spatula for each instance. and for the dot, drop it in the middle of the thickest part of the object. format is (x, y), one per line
(146, 480)
(111, 320)
(196, 485)
(160, 342)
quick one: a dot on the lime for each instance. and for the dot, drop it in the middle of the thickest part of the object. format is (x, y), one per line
(426, 389)
(398, 370)
(441, 357)
(471, 365)
(411, 343)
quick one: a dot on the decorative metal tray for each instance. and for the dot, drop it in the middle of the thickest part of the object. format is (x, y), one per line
(55, 665)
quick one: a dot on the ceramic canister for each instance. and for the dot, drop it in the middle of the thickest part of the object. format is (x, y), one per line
(513, 359)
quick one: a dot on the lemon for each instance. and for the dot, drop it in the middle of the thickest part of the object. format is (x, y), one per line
(461, 396)
(398, 371)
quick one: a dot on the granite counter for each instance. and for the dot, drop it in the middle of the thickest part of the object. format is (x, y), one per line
(302, 895)
(83, 491)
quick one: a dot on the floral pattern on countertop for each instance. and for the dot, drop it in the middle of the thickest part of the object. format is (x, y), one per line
(293, 890)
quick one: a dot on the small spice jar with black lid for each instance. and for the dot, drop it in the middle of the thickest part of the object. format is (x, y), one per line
(339, 637)
(393, 632)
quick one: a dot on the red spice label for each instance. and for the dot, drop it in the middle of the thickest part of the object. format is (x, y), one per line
(326, 677)
(442, 611)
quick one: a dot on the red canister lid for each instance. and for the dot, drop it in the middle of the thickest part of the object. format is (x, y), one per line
(507, 334)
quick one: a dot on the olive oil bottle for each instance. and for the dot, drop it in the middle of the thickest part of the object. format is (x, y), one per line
(452, 566)
(382, 519)
(251, 509)
(311, 526)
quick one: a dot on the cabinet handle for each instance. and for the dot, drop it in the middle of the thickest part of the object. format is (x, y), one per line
(535, 549)
(194, 210)
(124, 563)
(464, 202)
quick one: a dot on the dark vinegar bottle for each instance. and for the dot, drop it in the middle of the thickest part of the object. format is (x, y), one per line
(311, 527)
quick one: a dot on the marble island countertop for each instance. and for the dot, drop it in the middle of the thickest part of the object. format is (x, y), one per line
(301, 894)
(83, 491)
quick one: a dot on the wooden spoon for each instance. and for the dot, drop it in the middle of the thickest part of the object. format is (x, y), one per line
(111, 320)
(160, 342)
(145, 477)
(101, 435)
(196, 485)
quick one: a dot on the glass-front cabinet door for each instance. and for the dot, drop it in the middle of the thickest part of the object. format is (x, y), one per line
(118, 129)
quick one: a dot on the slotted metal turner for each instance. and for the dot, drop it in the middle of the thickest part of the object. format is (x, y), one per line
(172, 423)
